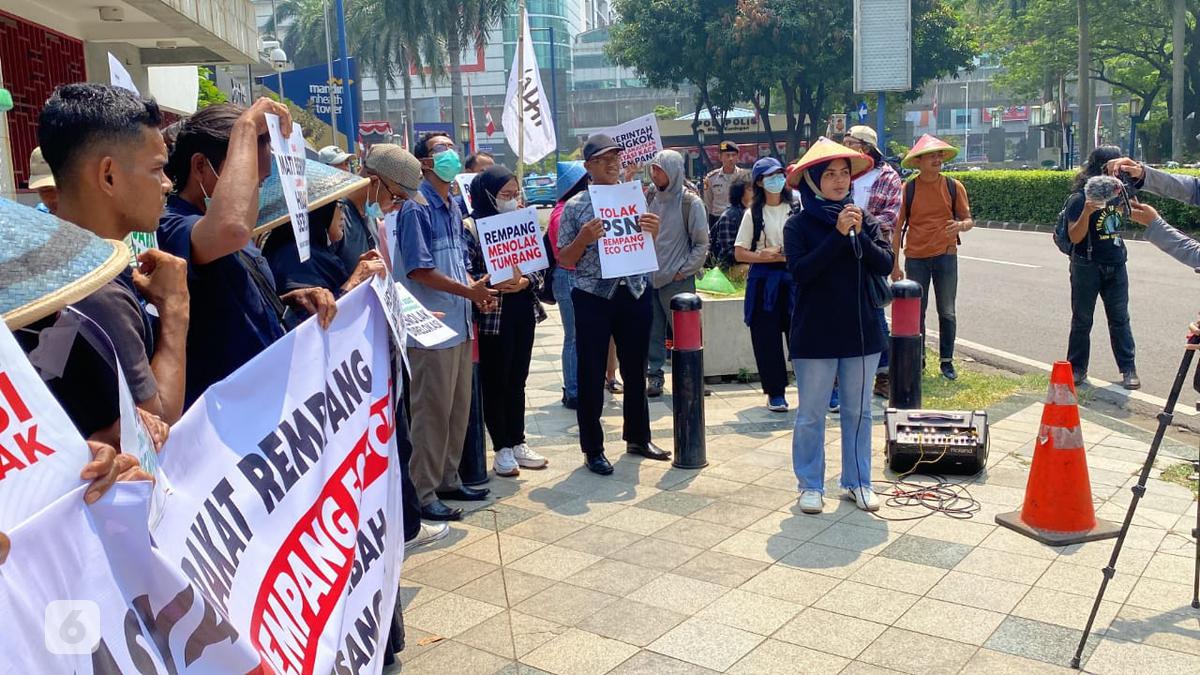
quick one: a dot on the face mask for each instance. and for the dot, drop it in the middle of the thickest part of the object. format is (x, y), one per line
(374, 210)
(506, 205)
(774, 183)
(447, 165)
(207, 199)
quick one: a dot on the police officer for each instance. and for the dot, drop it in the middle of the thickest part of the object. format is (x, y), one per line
(717, 182)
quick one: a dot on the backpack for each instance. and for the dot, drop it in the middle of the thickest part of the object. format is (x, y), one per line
(1062, 238)
(910, 191)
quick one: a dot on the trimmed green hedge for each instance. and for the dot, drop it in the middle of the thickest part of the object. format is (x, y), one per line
(1037, 197)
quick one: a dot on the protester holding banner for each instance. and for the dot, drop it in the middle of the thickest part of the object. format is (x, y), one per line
(103, 146)
(572, 179)
(430, 263)
(618, 308)
(833, 248)
(222, 155)
(770, 292)
(681, 247)
(505, 333)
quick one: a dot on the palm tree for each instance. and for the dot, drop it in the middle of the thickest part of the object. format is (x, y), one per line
(463, 24)
(301, 30)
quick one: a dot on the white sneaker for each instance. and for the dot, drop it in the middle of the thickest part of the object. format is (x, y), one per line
(429, 533)
(811, 501)
(864, 498)
(505, 464)
(527, 458)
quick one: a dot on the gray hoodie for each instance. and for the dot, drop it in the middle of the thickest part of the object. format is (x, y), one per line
(1181, 188)
(681, 247)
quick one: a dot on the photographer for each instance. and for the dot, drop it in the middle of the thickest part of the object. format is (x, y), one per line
(1098, 256)
(1179, 187)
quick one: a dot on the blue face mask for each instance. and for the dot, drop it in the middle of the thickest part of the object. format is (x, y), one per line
(447, 164)
(373, 209)
(774, 183)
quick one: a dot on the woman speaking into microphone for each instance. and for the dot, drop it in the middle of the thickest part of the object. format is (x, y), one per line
(834, 253)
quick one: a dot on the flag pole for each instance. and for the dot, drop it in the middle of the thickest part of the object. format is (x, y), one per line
(521, 97)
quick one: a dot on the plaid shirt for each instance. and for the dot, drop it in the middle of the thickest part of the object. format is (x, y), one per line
(886, 195)
(489, 322)
(723, 234)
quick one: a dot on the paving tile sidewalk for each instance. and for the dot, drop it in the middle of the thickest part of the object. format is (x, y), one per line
(661, 571)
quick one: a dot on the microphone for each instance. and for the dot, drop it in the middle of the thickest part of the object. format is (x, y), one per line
(1103, 189)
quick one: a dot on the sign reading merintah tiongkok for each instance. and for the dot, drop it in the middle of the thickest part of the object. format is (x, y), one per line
(625, 249)
(512, 240)
(639, 138)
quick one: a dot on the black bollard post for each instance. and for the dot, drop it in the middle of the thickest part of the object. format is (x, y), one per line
(907, 346)
(687, 382)
(473, 469)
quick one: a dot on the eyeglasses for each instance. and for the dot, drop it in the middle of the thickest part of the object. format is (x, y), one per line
(508, 194)
(441, 147)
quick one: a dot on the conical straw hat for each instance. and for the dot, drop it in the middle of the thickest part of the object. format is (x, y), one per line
(825, 150)
(925, 145)
(325, 184)
(49, 263)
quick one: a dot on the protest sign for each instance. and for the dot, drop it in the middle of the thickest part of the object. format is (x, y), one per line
(420, 323)
(84, 591)
(41, 454)
(624, 249)
(393, 311)
(118, 76)
(639, 137)
(289, 159)
(510, 240)
(463, 180)
(284, 508)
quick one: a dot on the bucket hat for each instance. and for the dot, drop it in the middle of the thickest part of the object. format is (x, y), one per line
(825, 150)
(925, 145)
(395, 164)
(569, 173)
(49, 263)
(325, 184)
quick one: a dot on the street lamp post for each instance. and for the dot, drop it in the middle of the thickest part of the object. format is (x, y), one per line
(967, 123)
(1135, 107)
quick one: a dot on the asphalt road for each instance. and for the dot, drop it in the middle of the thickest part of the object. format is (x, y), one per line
(1014, 294)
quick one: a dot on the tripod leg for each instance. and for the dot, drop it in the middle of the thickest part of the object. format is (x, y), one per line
(1164, 421)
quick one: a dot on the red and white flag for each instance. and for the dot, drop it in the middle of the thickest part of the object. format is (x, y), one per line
(491, 126)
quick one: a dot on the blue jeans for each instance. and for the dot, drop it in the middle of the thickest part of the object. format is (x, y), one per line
(887, 341)
(570, 362)
(814, 380)
(1110, 282)
(942, 272)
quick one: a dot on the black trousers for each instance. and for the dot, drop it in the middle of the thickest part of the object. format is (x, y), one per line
(626, 320)
(768, 332)
(410, 501)
(504, 368)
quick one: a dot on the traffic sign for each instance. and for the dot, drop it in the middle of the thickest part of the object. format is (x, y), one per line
(862, 111)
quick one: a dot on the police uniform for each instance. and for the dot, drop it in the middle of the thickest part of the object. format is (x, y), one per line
(717, 182)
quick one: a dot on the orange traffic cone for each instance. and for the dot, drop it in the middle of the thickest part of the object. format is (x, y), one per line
(1058, 497)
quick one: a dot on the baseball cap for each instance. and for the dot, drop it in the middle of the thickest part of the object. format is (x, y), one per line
(865, 134)
(765, 167)
(395, 164)
(332, 155)
(39, 171)
(598, 144)
(728, 146)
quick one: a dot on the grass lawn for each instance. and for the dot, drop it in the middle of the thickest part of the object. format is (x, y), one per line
(974, 389)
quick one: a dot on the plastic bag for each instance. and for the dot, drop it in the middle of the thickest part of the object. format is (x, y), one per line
(716, 283)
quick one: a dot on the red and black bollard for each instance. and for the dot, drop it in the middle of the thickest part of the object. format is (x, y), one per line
(907, 346)
(473, 469)
(687, 382)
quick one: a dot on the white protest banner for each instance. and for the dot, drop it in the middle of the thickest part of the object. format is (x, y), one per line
(420, 323)
(285, 495)
(289, 159)
(624, 249)
(118, 76)
(41, 454)
(639, 137)
(84, 591)
(510, 240)
(463, 180)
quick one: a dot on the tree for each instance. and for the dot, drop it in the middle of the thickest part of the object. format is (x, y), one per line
(301, 30)
(209, 93)
(463, 24)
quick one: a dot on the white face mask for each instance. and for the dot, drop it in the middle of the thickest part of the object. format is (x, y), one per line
(506, 205)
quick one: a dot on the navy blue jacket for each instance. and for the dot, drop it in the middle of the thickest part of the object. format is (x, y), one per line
(831, 302)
